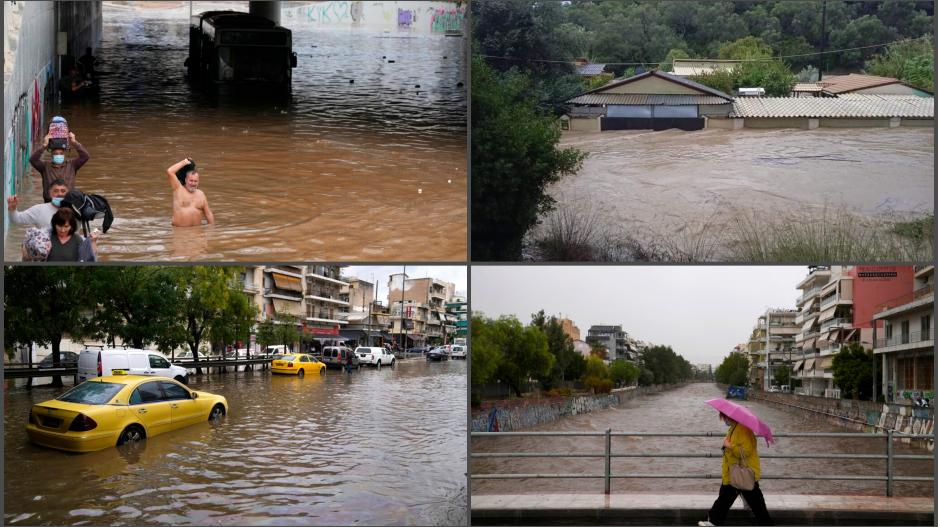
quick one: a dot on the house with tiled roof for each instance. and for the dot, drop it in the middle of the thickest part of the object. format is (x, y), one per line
(835, 85)
(651, 100)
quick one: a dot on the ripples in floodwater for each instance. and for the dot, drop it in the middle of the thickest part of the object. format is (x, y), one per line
(379, 447)
(357, 164)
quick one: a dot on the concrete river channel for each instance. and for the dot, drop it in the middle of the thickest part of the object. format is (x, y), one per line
(384, 447)
(365, 160)
(683, 410)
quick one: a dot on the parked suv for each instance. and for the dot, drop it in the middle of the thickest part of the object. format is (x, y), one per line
(101, 362)
(336, 357)
(374, 356)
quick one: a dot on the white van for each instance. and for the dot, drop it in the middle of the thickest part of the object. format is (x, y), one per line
(100, 362)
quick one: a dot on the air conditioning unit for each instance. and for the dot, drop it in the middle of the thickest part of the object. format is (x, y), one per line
(752, 92)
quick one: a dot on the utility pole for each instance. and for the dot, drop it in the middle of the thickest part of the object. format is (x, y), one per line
(403, 325)
(824, 59)
(768, 318)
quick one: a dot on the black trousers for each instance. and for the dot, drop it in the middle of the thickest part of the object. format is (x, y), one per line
(728, 494)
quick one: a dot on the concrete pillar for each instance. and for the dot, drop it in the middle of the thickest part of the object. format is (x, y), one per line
(895, 122)
(269, 10)
(813, 123)
(739, 124)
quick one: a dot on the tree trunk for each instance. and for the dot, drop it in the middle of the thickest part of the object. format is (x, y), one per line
(56, 360)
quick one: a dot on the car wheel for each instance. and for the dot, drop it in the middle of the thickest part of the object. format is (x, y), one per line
(217, 411)
(301, 373)
(131, 434)
(322, 371)
(180, 378)
(392, 363)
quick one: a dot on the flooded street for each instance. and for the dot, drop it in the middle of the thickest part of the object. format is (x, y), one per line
(684, 410)
(358, 163)
(383, 447)
(658, 183)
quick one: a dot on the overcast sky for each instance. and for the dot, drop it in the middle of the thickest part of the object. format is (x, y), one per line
(377, 273)
(700, 311)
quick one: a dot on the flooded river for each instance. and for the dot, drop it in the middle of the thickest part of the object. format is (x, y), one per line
(655, 184)
(684, 410)
(385, 447)
(358, 164)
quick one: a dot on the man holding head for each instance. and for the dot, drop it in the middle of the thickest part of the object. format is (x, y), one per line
(189, 203)
(58, 168)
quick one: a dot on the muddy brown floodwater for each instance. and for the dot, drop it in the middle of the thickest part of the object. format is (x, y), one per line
(370, 170)
(658, 183)
(379, 447)
(683, 410)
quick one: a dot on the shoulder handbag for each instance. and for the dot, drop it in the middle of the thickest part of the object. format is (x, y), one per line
(741, 476)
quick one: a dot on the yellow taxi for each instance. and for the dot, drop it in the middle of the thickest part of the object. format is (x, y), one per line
(108, 411)
(297, 364)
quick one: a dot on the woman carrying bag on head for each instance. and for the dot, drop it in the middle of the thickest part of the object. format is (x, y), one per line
(741, 472)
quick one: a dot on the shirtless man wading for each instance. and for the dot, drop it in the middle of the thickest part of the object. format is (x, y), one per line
(189, 203)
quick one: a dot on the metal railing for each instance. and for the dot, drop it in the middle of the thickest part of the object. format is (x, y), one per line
(836, 322)
(908, 338)
(607, 455)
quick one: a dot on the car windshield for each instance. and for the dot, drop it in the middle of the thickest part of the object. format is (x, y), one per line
(92, 392)
(287, 357)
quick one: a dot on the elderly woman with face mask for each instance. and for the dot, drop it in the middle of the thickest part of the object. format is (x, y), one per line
(58, 167)
(739, 444)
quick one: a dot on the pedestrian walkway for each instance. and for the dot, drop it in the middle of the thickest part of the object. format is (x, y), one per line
(687, 509)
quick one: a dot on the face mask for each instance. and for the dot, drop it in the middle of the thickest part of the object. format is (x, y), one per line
(58, 159)
(57, 202)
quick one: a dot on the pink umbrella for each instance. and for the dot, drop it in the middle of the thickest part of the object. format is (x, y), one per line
(743, 416)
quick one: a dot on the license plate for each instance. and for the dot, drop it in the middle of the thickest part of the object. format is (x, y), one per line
(50, 422)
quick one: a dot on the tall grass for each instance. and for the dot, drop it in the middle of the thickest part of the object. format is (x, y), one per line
(579, 233)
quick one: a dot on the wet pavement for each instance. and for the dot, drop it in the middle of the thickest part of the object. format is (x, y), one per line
(379, 447)
(683, 410)
(357, 164)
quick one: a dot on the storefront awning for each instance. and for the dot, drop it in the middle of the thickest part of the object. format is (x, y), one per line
(288, 283)
(827, 314)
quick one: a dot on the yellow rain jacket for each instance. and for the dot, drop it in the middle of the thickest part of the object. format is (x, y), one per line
(741, 437)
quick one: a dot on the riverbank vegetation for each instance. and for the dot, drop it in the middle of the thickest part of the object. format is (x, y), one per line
(540, 358)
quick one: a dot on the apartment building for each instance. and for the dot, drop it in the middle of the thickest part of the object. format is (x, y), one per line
(771, 345)
(615, 340)
(457, 311)
(569, 328)
(418, 310)
(326, 312)
(905, 346)
(836, 308)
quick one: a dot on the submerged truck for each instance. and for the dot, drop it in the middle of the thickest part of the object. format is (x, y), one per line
(230, 48)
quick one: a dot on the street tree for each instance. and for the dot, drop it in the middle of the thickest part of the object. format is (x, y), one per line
(514, 158)
(266, 333)
(853, 371)
(782, 376)
(596, 376)
(44, 304)
(486, 354)
(207, 292)
(524, 351)
(734, 370)
(137, 305)
(234, 322)
(623, 372)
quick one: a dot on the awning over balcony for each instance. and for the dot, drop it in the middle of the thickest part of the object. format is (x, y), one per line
(287, 283)
(286, 307)
(825, 363)
(827, 314)
(807, 307)
(807, 326)
(799, 365)
(809, 343)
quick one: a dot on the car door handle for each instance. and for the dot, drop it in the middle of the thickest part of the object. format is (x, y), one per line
(142, 411)
(174, 406)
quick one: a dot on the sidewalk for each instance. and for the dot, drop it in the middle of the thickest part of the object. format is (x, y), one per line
(688, 509)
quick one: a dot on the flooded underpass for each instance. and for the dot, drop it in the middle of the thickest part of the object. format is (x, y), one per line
(384, 447)
(684, 410)
(365, 160)
(667, 186)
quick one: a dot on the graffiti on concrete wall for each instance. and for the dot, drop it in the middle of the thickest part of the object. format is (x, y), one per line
(26, 129)
(443, 19)
(329, 12)
(406, 17)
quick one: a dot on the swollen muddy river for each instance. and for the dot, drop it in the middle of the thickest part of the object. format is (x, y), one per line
(357, 164)
(659, 184)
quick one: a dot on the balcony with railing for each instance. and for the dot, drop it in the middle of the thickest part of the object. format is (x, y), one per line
(923, 294)
(283, 293)
(915, 338)
(289, 270)
(250, 287)
(808, 294)
(845, 323)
